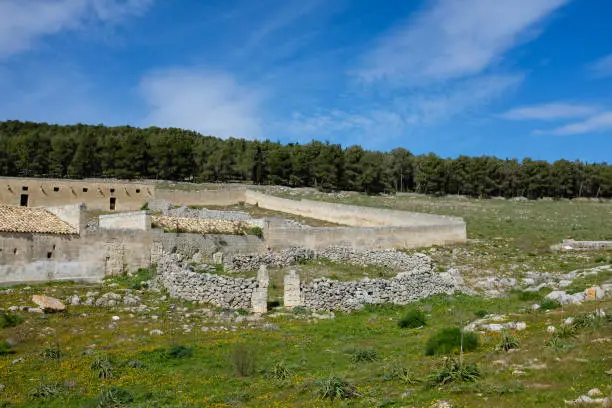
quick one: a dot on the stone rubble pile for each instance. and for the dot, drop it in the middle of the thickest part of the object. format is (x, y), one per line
(200, 225)
(108, 299)
(406, 287)
(186, 212)
(221, 291)
(395, 260)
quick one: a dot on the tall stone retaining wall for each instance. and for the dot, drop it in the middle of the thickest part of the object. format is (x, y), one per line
(217, 290)
(356, 216)
(201, 197)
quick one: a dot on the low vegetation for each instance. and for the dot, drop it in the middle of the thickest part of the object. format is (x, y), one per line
(451, 340)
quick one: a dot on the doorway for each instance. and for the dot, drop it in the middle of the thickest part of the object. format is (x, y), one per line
(24, 200)
(113, 202)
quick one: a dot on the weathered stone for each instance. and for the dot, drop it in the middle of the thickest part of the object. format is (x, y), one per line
(218, 258)
(48, 304)
(292, 296)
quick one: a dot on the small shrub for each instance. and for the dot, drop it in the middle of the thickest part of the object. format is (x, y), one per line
(135, 364)
(507, 342)
(243, 360)
(453, 371)
(9, 320)
(144, 207)
(481, 313)
(45, 390)
(299, 310)
(557, 344)
(52, 353)
(549, 304)
(180, 352)
(448, 340)
(334, 387)
(399, 372)
(566, 331)
(242, 312)
(412, 319)
(586, 321)
(360, 355)
(5, 348)
(114, 397)
(104, 367)
(257, 231)
(529, 296)
(280, 371)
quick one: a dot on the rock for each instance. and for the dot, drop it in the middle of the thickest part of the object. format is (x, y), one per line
(48, 304)
(35, 310)
(74, 300)
(18, 360)
(115, 317)
(595, 392)
(2, 387)
(551, 329)
(156, 332)
(594, 293)
(518, 372)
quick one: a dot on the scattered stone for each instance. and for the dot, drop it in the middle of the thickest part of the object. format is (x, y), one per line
(156, 332)
(48, 303)
(518, 372)
(115, 317)
(74, 300)
(18, 360)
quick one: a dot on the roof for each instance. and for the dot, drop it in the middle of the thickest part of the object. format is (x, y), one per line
(32, 220)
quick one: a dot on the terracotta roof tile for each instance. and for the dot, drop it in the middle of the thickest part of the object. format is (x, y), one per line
(33, 220)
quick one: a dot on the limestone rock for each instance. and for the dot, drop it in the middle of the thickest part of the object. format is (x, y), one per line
(48, 304)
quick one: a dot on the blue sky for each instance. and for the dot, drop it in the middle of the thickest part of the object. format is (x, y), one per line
(511, 78)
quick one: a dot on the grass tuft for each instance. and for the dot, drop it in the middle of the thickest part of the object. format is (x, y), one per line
(449, 340)
(412, 319)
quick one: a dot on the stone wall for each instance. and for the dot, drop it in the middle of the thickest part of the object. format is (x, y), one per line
(97, 194)
(37, 258)
(200, 247)
(406, 287)
(201, 197)
(586, 245)
(73, 214)
(351, 215)
(132, 220)
(394, 260)
(221, 291)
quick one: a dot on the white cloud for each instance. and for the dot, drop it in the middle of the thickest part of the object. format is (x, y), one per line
(404, 113)
(210, 102)
(22, 22)
(597, 123)
(453, 39)
(602, 67)
(550, 111)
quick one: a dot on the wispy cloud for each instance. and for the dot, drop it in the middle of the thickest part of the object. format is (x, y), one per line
(23, 22)
(213, 103)
(598, 123)
(602, 67)
(452, 39)
(550, 111)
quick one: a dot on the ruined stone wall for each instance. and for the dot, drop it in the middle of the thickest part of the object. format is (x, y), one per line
(96, 194)
(406, 287)
(202, 247)
(42, 258)
(221, 291)
(29, 258)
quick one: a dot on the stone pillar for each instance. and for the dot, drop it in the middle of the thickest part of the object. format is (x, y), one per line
(157, 249)
(114, 256)
(259, 299)
(218, 258)
(292, 296)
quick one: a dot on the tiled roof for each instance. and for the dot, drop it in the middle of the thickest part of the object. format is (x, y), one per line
(36, 220)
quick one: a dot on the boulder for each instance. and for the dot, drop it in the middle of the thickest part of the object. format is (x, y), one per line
(48, 304)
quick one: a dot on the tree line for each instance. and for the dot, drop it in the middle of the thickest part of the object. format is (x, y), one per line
(79, 151)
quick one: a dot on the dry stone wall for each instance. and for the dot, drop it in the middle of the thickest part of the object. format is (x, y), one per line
(395, 260)
(406, 287)
(221, 291)
(202, 226)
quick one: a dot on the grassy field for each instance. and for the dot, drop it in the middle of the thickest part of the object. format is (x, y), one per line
(291, 358)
